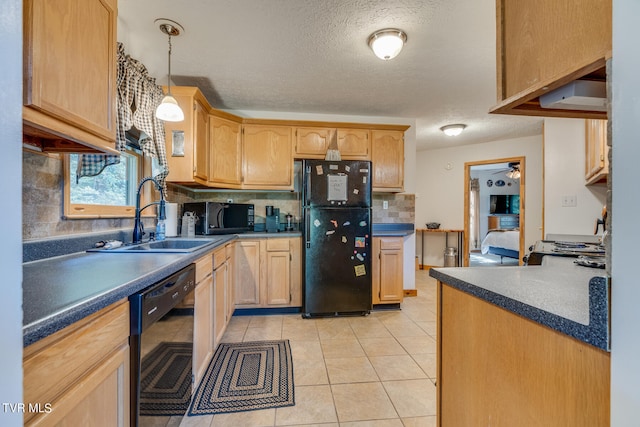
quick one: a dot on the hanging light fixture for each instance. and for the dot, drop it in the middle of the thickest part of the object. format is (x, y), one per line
(453, 130)
(387, 43)
(169, 110)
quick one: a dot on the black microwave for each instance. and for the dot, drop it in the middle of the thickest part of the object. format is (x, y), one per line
(221, 218)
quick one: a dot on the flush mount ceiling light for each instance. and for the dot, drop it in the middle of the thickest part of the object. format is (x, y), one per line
(453, 130)
(169, 110)
(387, 43)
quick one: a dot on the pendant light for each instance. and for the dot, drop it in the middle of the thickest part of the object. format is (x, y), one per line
(169, 110)
(387, 43)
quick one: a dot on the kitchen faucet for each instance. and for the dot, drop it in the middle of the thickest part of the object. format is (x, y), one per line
(138, 228)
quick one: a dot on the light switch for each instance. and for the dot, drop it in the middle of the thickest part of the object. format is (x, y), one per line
(385, 204)
(569, 201)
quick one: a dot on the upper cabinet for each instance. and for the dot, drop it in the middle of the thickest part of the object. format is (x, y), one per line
(214, 148)
(313, 142)
(547, 44)
(70, 75)
(387, 156)
(186, 141)
(597, 152)
(267, 156)
(225, 157)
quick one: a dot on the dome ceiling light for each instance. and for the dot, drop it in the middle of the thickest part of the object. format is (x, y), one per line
(387, 43)
(453, 130)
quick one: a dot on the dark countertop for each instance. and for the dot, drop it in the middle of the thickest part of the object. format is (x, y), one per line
(397, 229)
(62, 283)
(568, 298)
(59, 291)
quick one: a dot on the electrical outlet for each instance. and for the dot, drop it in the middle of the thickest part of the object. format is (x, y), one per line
(569, 201)
(229, 200)
(385, 204)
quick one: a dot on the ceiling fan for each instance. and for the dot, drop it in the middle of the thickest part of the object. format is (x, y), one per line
(512, 171)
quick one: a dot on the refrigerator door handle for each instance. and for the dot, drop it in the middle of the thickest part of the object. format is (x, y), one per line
(307, 231)
(307, 183)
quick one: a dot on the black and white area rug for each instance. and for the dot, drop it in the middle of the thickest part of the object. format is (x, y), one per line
(246, 376)
(165, 386)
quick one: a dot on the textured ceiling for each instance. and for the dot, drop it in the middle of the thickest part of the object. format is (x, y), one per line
(312, 56)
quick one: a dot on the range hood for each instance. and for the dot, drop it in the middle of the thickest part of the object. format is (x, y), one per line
(587, 95)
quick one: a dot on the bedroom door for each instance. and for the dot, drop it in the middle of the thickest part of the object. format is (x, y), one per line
(488, 181)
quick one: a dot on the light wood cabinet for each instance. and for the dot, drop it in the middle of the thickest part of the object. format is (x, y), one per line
(186, 141)
(546, 44)
(501, 222)
(387, 156)
(268, 273)
(267, 156)
(222, 288)
(225, 157)
(70, 75)
(247, 273)
(203, 342)
(313, 142)
(354, 144)
(597, 151)
(505, 370)
(387, 266)
(80, 375)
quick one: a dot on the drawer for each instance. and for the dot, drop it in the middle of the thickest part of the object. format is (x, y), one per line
(277, 245)
(204, 267)
(219, 257)
(391, 243)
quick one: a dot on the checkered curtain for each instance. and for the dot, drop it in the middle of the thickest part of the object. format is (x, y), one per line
(138, 95)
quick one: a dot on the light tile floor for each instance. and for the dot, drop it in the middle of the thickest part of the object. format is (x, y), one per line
(374, 371)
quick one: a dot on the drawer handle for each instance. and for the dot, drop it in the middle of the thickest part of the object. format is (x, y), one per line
(174, 296)
(152, 310)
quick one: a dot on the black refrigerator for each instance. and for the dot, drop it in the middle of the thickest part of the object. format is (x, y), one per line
(336, 208)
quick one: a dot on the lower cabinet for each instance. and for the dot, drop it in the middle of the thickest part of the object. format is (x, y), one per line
(213, 306)
(80, 375)
(500, 369)
(387, 266)
(268, 273)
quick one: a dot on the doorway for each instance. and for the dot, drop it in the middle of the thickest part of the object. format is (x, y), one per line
(494, 203)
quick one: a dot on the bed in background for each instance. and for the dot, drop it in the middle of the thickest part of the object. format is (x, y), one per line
(504, 243)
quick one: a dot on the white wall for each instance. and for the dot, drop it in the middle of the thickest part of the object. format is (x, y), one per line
(440, 190)
(564, 159)
(11, 224)
(625, 287)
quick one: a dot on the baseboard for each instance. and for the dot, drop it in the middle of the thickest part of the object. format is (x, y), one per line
(410, 292)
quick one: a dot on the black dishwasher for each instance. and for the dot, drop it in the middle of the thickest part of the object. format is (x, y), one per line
(154, 325)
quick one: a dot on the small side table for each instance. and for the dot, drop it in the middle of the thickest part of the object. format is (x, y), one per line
(460, 235)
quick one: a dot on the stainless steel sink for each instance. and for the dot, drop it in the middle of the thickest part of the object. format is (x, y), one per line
(164, 246)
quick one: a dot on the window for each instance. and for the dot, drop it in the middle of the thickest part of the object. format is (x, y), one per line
(111, 194)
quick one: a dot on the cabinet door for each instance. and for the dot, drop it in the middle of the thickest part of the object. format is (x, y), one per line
(542, 42)
(201, 131)
(388, 270)
(180, 137)
(354, 144)
(387, 155)
(230, 285)
(295, 248)
(278, 288)
(70, 68)
(267, 155)
(202, 327)
(247, 272)
(226, 152)
(220, 279)
(596, 163)
(312, 143)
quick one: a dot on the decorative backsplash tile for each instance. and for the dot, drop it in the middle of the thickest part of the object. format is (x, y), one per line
(42, 204)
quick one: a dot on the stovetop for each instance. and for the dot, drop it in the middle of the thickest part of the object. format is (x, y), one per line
(568, 249)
